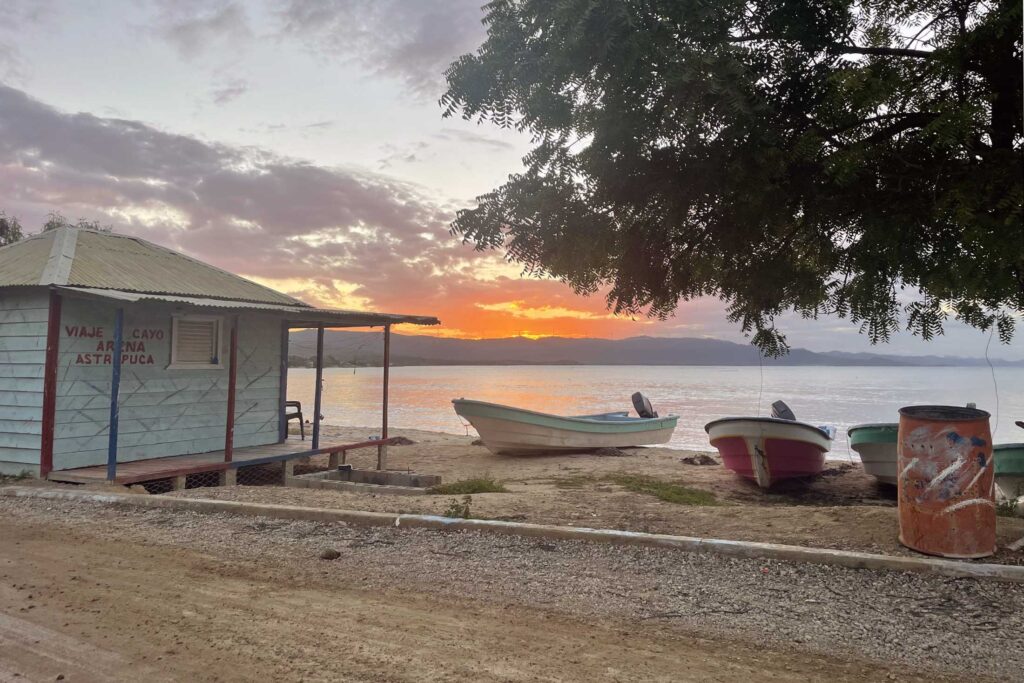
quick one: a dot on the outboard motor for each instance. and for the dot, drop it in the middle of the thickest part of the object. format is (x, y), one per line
(643, 406)
(781, 411)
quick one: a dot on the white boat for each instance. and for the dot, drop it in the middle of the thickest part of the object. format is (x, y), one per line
(876, 446)
(516, 431)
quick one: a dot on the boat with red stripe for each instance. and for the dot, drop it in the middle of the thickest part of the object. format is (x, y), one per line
(770, 449)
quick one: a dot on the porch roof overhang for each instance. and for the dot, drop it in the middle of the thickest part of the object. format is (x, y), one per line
(296, 316)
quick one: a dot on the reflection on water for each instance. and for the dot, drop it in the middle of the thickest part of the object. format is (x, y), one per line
(421, 396)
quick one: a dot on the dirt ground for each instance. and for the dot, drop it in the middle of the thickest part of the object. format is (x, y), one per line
(843, 508)
(100, 595)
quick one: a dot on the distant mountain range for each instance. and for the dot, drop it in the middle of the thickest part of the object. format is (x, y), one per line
(364, 349)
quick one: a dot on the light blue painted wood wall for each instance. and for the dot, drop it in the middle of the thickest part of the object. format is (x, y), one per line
(23, 315)
(163, 411)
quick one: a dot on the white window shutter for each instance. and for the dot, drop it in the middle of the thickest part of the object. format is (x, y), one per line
(197, 342)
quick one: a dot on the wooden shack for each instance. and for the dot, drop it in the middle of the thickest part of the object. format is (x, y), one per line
(126, 361)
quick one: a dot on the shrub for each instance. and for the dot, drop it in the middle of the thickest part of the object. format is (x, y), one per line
(663, 490)
(467, 486)
(459, 509)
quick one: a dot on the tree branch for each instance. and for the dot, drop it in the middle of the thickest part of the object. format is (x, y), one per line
(883, 51)
(843, 48)
(749, 37)
(915, 120)
(873, 119)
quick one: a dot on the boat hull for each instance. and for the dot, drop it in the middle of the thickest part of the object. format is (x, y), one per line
(513, 431)
(1009, 464)
(876, 446)
(767, 450)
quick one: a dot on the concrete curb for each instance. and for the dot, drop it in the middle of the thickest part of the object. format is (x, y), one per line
(744, 549)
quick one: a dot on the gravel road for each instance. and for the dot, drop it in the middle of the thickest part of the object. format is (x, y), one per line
(908, 626)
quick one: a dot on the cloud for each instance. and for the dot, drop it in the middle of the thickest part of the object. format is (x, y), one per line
(401, 154)
(521, 309)
(12, 67)
(414, 41)
(15, 14)
(333, 236)
(16, 17)
(229, 91)
(470, 137)
(318, 125)
(205, 196)
(191, 28)
(305, 130)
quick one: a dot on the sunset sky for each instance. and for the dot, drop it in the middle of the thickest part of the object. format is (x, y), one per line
(300, 143)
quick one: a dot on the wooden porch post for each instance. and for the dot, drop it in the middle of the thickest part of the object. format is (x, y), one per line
(50, 385)
(115, 388)
(382, 451)
(319, 389)
(229, 431)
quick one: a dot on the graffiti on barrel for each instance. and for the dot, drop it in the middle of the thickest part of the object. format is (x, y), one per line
(946, 482)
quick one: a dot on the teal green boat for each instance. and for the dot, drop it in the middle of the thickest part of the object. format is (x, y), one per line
(876, 446)
(1009, 459)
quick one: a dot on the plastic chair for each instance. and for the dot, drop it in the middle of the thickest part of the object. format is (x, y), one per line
(296, 414)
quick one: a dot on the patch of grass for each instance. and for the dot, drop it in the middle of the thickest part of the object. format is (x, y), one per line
(459, 509)
(468, 486)
(576, 481)
(667, 491)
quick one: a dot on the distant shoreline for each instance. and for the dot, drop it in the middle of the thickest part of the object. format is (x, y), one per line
(361, 349)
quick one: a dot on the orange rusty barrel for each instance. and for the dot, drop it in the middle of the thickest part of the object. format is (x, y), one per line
(946, 481)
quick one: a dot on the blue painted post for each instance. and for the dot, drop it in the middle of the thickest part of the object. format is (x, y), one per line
(319, 385)
(115, 385)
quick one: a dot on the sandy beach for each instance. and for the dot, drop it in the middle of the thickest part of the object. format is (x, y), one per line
(96, 593)
(843, 508)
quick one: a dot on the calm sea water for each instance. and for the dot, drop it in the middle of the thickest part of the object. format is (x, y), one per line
(838, 396)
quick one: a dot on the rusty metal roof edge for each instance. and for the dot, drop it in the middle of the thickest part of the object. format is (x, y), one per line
(299, 314)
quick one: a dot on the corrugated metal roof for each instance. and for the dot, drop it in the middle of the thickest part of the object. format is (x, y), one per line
(296, 314)
(22, 263)
(87, 258)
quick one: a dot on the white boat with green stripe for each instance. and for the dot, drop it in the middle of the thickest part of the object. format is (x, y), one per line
(876, 446)
(515, 431)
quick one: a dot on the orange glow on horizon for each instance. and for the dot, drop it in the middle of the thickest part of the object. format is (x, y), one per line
(537, 309)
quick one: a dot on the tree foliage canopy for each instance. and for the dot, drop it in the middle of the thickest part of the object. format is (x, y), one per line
(10, 229)
(863, 158)
(56, 220)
